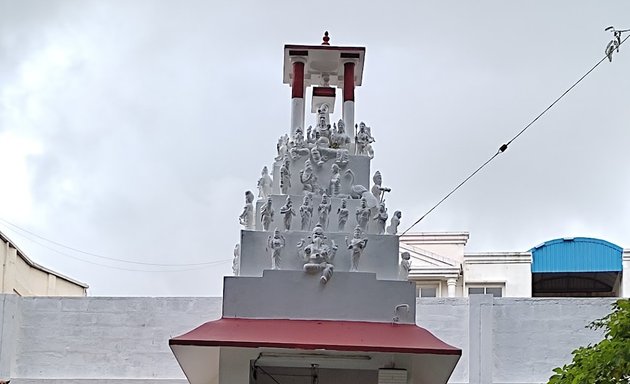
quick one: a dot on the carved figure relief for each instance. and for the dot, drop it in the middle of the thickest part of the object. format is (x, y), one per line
(405, 266)
(276, 242)
(342, 215)
(363, 215)
(357, 246)
(266, 214)
(288, 212)
(285, 176)
(324, 210)
(306, 213)
(317, 255)
(246, 219)
(381, 219)
(394, 223)
(264, 184)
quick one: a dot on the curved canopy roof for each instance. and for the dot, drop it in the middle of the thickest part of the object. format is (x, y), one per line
(576, 254)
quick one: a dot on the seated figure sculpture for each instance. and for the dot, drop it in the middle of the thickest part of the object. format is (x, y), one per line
(339, 138)
(317, 255)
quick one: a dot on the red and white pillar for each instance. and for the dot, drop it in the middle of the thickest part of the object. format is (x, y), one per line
(348, 96)
(297, 96)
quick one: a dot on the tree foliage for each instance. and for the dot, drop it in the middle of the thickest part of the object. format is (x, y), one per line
(607, 362)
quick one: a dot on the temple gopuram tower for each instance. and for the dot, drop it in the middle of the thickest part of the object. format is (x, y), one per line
(319, 293)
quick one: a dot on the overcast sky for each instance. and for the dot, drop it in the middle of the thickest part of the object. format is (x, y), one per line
(131, 129)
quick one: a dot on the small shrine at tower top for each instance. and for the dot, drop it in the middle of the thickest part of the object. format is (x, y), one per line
(323, 67)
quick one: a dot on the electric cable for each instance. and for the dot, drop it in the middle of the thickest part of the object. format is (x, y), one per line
(504, 146)
(207, 265)
(97, 255)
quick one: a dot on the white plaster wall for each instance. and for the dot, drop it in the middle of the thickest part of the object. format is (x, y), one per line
(125, 340)
(533, 336)
(104, 338)
(516, 277)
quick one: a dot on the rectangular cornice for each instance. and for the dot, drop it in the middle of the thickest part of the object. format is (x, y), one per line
(498, 258)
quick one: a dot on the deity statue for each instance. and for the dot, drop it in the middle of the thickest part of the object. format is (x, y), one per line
(236, 261)
(364, 141)
(405, 266)
(394, 223)
(376, 188)
(308, 178)
(282, 147)
(339, 138)
(342, 213)
(246, 219)
(264, 184)
(275, 243)
(285, 176)
(288, 212)
(310, 135)
(299, 145)
(318, 159)
(334, 187)
(363, 215)
(357, 245)
(306, 212)
(323, 123)
(266, 214)
(381, 219)
(317, 255)
(342, 157)
(324, 210)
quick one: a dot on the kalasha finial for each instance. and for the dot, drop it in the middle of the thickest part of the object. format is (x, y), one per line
(326, 39)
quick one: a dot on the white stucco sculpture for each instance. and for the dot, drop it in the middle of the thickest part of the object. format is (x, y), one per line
(306, 213)
(264, 184)
(377, 179)
(298, 146)
(323, 211)
(364, 141)
(363, 215)
(316, 157)
(342, 157)
(275, 243)
(405, 266)
(357, 245)
(342, 215)
(381, 219)
(282, 147)
(339, 138)
(334, 186)
(356, 191)
(246, 219)
(266, 214)
(317, 255)
(288, 212)
(308, 178)
(392, 229)
(285, 176)
(236, 261)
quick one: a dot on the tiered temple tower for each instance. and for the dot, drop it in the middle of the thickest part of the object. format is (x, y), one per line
(319, 293)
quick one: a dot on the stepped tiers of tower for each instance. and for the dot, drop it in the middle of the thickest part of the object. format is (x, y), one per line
(317, 212)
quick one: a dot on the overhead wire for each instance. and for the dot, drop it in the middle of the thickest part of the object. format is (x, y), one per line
(101, 256)
(208, 265)
(505, 146)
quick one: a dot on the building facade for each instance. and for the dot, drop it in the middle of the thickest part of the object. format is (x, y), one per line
(21, 276)
(567, 267)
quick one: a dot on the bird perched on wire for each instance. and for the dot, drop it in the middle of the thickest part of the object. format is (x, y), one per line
(614, 44)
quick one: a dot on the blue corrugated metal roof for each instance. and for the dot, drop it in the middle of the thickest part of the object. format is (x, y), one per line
(578, 254)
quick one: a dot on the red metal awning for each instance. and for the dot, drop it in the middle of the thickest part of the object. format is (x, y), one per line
(316, 334)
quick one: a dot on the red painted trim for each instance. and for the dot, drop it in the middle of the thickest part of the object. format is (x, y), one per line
(316, 334)
(298, 80)
(348, 81)
(324, 91)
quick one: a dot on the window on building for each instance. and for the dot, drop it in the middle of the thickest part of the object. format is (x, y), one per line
(494, 291)
(427, 291)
